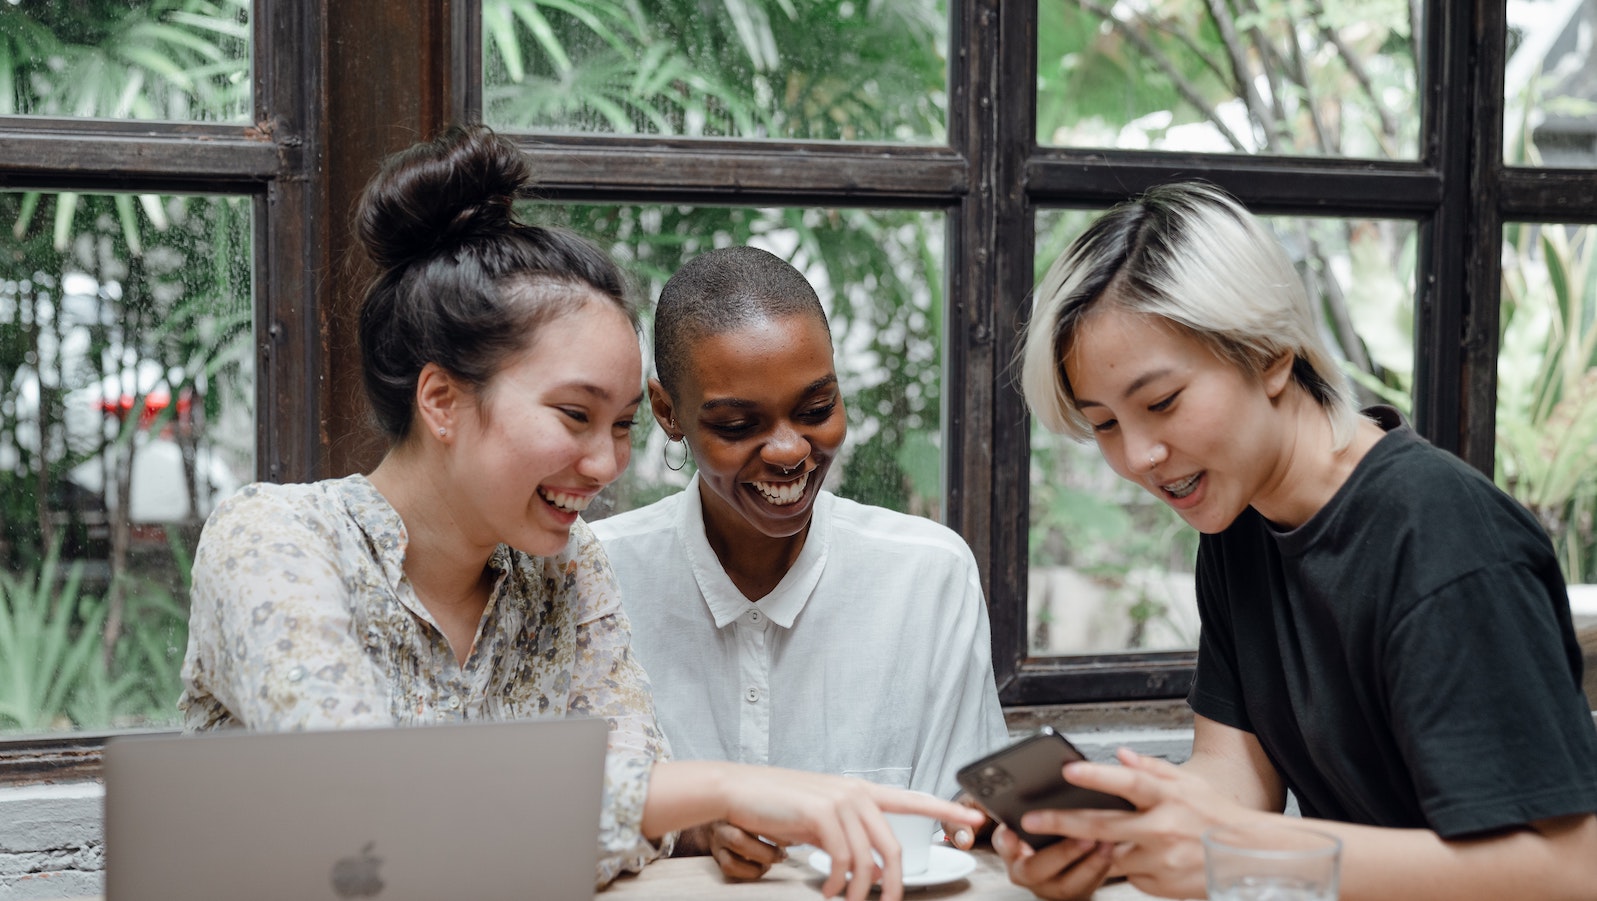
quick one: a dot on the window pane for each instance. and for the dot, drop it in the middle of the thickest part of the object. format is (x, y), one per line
(183, 60)
(126, 410)
(879, 274)
(1110, 566)
(1288, 77)
(1550, 103)
(851, 70)
(1547, 385)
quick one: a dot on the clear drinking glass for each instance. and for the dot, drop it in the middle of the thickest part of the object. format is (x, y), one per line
(1271, 863)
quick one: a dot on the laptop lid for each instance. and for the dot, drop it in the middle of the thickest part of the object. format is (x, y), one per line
(484, 811)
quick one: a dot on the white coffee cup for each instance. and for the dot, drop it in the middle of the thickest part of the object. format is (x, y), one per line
(914, 833)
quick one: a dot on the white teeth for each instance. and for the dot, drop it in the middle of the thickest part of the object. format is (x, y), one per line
(571, 503)
(1184, 487)
(783, 493)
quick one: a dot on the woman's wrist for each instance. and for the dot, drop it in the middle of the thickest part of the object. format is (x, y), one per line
(684, 794)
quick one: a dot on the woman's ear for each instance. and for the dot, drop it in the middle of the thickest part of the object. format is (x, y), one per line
(439, 401)
(664, 409)
(1278, 374)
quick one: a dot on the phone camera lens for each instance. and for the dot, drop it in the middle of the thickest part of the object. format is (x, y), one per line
(991, 780)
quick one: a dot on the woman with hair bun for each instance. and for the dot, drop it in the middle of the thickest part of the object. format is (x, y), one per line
(1385, 634)
(457, 580)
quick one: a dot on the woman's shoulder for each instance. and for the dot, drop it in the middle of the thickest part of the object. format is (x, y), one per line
(871, 528)
(1406, 473)
(660, 516)
(298, 514)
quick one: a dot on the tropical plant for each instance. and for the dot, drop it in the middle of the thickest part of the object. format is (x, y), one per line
(832, 69)
(158, 59)
(1547, 385)
(819, 69)
(1315, 77)
(126, 325)
(49, 643)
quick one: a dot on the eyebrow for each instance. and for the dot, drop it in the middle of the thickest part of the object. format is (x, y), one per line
(1137, 384)
(738, 403)
(593, 390)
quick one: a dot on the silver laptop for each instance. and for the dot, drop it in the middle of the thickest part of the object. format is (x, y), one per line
(481, 811)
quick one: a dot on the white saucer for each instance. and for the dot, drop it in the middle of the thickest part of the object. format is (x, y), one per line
(944, 865)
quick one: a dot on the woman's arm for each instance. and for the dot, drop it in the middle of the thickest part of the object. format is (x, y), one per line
(1228, 769)
(271, 645)
(841, 816)
(1234, 764)
(606, 681)
(1549, 860)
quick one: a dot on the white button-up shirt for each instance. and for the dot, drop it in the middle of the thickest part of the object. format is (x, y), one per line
(871, 657)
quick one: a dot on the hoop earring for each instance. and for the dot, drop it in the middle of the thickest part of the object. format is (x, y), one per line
(667, 453)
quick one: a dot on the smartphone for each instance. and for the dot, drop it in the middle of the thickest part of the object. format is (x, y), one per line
(1027, 776)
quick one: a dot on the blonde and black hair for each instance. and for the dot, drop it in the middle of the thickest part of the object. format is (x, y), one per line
(1191, 255)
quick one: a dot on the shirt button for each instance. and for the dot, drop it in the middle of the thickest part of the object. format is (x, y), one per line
(754, 617)
(752, 695)
(454, 702)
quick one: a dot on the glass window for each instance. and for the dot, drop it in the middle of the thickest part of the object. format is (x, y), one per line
(849, 70)
(183, 60)
(1110, 566)
(1550, 98)
(879, 274)
(1547, 386)
(1280, 77)
(126, 411)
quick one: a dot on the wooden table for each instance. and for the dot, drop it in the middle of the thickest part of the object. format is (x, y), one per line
(699, 879)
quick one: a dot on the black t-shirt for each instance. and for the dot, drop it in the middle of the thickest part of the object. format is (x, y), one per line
(1406, 657)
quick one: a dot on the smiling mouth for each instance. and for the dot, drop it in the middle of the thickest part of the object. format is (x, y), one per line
(1181, 489)
(782, 494)
(569, 503)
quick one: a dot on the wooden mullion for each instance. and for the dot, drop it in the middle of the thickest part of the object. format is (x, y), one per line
(70, 156)
(293, 253)
(754, 174)
(1002, 447)
(1548, 195)
(1266, 185)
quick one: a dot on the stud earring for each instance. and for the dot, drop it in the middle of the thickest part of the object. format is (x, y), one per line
(442, 431)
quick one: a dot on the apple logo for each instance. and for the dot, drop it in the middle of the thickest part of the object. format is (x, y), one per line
(356, 876)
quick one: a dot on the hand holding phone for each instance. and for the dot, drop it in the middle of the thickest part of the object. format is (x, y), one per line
(1027, 775)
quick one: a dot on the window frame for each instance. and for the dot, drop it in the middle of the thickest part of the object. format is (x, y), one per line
(338, 86)
(272, 160)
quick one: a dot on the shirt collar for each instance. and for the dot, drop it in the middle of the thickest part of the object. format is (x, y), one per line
(386, 534)
(785, 602)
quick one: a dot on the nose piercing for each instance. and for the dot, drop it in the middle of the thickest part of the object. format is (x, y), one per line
(1153, 455)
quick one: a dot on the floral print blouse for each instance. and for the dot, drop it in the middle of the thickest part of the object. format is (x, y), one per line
(303, 618)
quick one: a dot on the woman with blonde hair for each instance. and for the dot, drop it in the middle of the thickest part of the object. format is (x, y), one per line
(1385, 634)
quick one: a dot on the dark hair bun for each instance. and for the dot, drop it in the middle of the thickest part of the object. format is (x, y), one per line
(439, 194)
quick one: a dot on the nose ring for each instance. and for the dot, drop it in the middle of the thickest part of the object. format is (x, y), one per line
(1153, 455)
